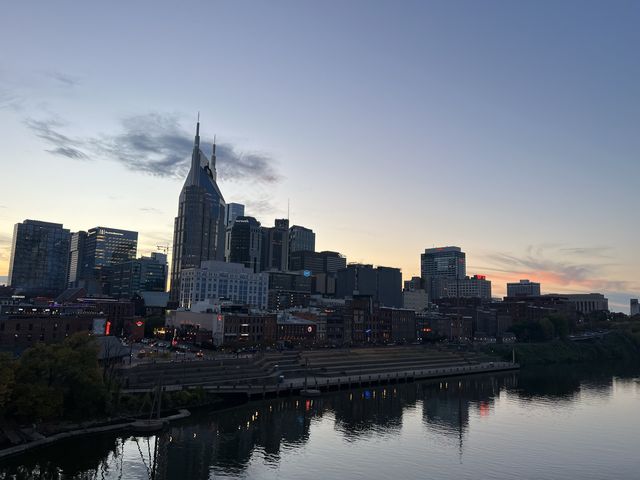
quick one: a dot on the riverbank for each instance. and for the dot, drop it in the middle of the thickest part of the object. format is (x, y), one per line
(615, 346)
(118, 426)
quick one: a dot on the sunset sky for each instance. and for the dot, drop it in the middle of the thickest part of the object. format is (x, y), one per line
(510, 129)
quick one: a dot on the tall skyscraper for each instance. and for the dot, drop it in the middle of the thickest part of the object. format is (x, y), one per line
(234, 210)
(244, 243)
(199, 229)
(39, 257)
(301, 238)
(78, 269)
(275, 246)
(105, 247)
(441, 264)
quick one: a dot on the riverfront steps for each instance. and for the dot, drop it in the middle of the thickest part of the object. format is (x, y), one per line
(261, 373)
(295, 386)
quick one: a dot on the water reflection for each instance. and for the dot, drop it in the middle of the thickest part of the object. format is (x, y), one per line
(257, 437)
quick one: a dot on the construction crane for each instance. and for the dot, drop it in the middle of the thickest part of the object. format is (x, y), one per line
(164, 248)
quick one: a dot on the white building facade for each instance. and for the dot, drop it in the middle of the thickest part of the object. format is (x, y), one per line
(221, 281)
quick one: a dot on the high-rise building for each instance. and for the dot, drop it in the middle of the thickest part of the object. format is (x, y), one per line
(441, 264)
(634, 307)
(144, 274)
(275, 246)
(233, 211)
(389, 287)
(244, 243)
(317, 262)
(222, 281)
(78, 268)
(199, 230)
(383, 284)
(301, 238)
(105, 247)
(523, 288)
(39, 257)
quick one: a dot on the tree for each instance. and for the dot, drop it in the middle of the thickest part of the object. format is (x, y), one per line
(560, 325)
(35, 395)
(61, 380)
(7, 379)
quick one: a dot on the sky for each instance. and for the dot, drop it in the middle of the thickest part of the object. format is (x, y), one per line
(509, 129)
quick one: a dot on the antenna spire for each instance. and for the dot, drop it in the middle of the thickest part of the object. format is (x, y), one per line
(194, 172)
(212, 162)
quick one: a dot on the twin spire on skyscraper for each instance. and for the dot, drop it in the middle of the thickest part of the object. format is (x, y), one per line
(210, 168)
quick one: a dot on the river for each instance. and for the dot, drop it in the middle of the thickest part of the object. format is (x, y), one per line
(553, 423)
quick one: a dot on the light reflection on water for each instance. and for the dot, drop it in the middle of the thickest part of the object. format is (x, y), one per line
(559, 423)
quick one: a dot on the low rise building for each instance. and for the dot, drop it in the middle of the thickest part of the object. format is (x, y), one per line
(288, 290)
(24, 325)
(296, 330)
(586, 303)
(416, 300)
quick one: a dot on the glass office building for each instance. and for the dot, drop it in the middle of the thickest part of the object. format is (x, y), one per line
(39, 257)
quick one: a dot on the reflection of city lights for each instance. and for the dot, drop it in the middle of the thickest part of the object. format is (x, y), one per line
(248, 423)
(170, 438)
(195, 434)
(350, 396)
(484, 409)
(307, 405)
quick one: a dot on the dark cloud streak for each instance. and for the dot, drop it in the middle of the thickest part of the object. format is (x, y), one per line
(155, 144)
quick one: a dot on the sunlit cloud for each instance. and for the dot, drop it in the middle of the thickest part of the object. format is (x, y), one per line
(559, 269)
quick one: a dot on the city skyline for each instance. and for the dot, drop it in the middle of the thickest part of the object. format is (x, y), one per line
(546, 190)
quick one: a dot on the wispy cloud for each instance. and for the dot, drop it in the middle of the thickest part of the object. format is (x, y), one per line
(572, 268)
(60, 144)
(154, 144)
(64, 79)
(10, 99)
(150, 210)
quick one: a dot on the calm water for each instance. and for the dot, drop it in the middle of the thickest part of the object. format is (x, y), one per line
(544, 424)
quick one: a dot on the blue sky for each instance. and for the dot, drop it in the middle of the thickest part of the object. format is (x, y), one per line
(507, 128)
